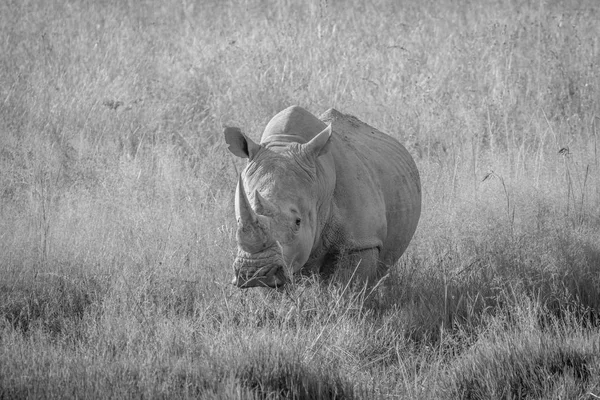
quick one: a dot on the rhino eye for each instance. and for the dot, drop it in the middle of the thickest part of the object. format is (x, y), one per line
(298, 220)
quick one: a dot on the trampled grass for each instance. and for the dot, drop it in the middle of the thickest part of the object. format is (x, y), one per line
(116, 199)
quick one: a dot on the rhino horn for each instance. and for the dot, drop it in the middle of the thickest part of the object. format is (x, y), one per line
(245, 214)
(262, 205)
(252, 236)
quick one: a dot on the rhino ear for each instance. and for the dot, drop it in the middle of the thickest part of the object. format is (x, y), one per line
(239, 144)
(319, 145)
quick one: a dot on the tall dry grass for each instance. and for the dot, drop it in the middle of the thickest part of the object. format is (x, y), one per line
(116, 222)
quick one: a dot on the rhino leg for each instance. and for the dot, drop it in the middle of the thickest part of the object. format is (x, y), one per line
(360, 266)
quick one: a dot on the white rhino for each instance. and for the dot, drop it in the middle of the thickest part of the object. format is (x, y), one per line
(315, 190)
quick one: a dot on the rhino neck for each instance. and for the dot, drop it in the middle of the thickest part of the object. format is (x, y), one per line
(281, 142)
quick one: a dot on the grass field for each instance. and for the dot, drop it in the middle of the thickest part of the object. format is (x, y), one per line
(117, 231)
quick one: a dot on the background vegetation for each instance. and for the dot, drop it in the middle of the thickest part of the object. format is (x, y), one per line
(116, 199)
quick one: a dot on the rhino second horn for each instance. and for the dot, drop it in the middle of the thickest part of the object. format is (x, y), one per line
(263, 206)
(242, 207)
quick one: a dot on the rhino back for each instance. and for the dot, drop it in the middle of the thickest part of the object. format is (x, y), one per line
(378, 194)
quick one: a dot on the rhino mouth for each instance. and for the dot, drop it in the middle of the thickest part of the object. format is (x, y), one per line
(272, 276)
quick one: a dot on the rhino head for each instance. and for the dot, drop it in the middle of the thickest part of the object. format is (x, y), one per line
(278, 205)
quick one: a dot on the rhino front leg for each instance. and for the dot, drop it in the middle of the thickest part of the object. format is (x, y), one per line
(360, 266)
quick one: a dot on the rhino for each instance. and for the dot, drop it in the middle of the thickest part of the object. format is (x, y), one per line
(319, 190)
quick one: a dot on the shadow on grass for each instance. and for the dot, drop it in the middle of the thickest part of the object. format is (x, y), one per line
(175, 297)
(525, 365)
(55, 303)
(277, 374)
